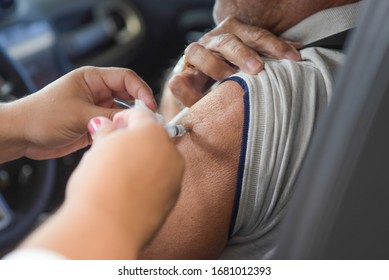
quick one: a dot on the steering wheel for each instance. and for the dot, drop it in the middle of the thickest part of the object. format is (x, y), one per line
(25, 185)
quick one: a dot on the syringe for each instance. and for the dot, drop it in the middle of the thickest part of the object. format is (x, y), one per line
(124, 103)
(177, 130)
(173, 131)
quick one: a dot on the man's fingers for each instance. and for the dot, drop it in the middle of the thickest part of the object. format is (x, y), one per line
(239, 44)
(236, 52)
(220, 52)
(206, 61)
(182, 88)
(269, 45)
(295, 45)
(261, 40)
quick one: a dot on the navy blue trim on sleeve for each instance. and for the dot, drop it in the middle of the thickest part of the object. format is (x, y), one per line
(242, 160)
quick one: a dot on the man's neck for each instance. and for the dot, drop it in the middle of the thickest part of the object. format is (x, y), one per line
(300, 10)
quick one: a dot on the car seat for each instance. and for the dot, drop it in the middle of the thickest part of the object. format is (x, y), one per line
(340, 207)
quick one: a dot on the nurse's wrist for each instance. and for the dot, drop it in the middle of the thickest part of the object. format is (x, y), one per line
(12, 141)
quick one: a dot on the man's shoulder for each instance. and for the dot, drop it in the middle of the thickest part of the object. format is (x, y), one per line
(315, 57)
(316, 64)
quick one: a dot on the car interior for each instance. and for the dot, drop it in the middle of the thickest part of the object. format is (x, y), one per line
(338, 210)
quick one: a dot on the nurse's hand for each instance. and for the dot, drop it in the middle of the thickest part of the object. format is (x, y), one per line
(53, 121)
(119, 195)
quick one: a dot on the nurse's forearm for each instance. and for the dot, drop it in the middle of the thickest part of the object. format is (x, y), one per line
(12, 142)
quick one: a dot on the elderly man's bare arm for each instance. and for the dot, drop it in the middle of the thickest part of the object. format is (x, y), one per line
(198, 226)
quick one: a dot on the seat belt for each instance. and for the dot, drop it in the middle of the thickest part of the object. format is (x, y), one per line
(335, 41)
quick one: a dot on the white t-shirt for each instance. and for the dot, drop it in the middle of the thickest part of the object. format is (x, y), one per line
(281, 108)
